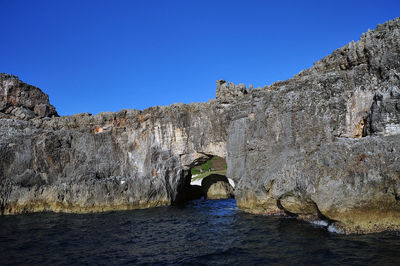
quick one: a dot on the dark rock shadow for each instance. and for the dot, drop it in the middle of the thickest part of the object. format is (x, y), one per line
(194, 192)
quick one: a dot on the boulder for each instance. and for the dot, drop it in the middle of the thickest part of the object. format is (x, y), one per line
(217, 187)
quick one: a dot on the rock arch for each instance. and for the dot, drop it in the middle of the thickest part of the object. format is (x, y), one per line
(324, 142)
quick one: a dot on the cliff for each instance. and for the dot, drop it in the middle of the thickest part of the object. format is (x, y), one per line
(322, 145)
(23, 101)
(326, 143)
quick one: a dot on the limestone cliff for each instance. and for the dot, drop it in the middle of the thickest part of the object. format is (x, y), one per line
(22, 101)
(125, 160)
(324, 144)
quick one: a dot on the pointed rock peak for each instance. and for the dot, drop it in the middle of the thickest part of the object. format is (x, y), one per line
(23, 101)
(227, 92)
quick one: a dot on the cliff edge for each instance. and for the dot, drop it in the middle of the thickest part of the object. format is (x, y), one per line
(322, 145)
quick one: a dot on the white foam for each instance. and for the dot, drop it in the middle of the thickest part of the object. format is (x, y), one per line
(333, 229)
(320, 222)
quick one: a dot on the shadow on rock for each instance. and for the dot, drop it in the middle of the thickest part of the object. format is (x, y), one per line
(216, 187)
(194, 192)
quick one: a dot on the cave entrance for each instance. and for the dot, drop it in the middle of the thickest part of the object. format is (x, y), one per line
(209, 180)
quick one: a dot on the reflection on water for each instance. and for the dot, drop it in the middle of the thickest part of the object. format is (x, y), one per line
(202, 232)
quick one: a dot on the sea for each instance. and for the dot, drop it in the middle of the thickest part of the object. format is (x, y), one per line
(202, 232)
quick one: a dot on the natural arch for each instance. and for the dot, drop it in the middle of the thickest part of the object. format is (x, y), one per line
(207, 179)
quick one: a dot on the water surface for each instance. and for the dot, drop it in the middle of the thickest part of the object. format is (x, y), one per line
(202, 232)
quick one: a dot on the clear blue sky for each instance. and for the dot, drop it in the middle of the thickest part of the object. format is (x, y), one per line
(94, 56)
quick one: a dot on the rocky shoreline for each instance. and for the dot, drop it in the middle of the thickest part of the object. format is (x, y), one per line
(322, 145)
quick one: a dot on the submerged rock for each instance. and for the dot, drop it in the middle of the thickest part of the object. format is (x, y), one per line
(324, 144)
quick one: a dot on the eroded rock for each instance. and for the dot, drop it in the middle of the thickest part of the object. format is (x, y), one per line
(326, 142)
(227, 91)
(322, 144)
(22, 100)
(216, 186)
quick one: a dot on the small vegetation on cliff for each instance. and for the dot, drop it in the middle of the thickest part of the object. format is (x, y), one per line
(216, 165)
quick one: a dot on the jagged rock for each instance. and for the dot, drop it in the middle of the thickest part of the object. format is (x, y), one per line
(216, 186)
(125, 160)
(22, 100)
(22, 113)
(384, 116)
(227, 92)
(325, 143)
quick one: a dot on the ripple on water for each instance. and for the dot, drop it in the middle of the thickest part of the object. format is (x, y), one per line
(201, 232)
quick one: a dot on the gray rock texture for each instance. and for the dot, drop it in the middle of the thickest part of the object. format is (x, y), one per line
(125, 160)
(23, 101)
(324, 144)
(227, 92)
(216, 186)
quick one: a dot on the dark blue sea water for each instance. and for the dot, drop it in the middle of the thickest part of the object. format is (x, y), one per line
(202, 232)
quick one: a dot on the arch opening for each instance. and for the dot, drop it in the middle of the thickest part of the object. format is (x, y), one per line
(207, 180)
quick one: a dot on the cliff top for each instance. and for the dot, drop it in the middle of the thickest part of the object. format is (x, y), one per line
(21, 100)
(24, 101)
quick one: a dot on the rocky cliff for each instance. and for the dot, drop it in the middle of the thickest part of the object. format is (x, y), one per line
(326, 143)
(322, 145)
(23, 101)
(131, 159)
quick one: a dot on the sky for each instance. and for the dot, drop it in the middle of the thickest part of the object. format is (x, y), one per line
(103, 55)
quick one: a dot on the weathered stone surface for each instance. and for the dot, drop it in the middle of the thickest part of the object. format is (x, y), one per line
(23, 101)
(326, 143)
(131, 159)
(322, 144)
(228, 92)
(216, 187)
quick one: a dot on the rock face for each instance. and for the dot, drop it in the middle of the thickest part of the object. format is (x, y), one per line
(324, 144)
(216, 187)
(126, 160)
(227, 92)
(22, 101)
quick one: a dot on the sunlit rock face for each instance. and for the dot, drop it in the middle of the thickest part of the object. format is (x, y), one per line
(125, 160)
(216, 187)
(324, 144)
(23, 101)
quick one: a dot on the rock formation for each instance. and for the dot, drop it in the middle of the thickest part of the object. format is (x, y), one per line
(216, 186)
(322, 145)
(227, 92)
(125, 160)
(326, 143)
(23, 101)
